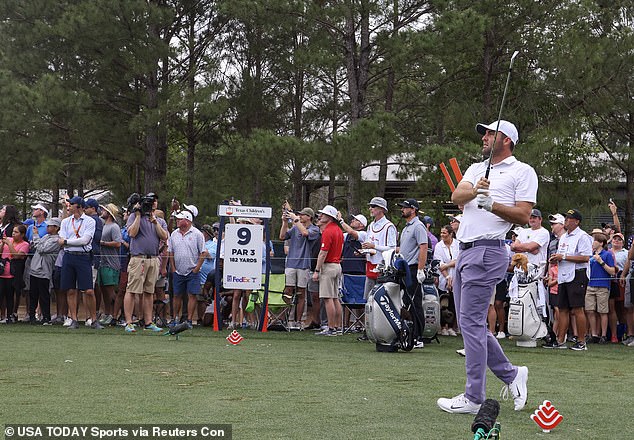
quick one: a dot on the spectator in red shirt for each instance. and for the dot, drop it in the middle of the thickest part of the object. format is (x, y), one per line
(328, 268)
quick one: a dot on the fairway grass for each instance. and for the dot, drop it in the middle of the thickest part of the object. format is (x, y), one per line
(296, 385)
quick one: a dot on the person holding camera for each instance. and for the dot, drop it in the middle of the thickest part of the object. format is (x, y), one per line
(76, 234)
(146, 232)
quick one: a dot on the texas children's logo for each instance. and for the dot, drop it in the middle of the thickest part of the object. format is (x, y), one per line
(235, 338)
(546, 416)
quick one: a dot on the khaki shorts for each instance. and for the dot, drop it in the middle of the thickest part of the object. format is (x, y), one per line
(296, 277)
(142, 274)
(329, 280)
(598, 298)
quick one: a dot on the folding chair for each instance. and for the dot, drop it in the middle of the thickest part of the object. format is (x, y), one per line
(353, 302)
(279, 310)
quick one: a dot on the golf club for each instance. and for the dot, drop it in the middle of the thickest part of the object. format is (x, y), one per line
(508, 79)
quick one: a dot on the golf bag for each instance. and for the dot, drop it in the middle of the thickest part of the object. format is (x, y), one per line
(389, 301)
(527, 305)
(431, 312)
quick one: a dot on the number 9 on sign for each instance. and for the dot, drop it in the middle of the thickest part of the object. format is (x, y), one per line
(244, 236)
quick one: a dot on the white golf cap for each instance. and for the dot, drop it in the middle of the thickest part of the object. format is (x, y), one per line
(330, 211)
(506, 127)
(184, 214)
(378, 201)
(361, 218)
(456, 218)
(40, 206)
(557, 218)
(517, 230)
(192, 209)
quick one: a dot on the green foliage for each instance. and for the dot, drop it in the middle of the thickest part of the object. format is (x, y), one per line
(251, 97)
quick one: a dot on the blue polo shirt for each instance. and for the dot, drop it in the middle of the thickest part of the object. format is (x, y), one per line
(41, 230)
(598, 275)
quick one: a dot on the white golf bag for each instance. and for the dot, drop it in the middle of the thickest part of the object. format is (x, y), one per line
(527, 305)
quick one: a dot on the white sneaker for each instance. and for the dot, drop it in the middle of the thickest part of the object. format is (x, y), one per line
(500, 335)
(444, 332)
(461, 352)
(458, 405)
(419, 344)
(517, 388)
(68, 321)
(88, 322)
(451, 332)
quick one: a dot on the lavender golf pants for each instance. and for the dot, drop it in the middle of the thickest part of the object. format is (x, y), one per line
(478, 270)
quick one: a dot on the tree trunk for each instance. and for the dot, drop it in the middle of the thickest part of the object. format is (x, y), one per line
(487, 67)
(357, 70)
(191, 85)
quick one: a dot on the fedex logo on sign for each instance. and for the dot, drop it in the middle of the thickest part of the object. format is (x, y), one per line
(234, 279)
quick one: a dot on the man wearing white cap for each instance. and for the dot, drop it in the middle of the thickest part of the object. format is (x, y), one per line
(39, 221)
(328, 268)
(45, 250)
(381, 237)
(353, 237)
(492, 204)
(187, 253)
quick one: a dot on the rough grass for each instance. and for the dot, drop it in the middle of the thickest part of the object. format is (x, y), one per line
(295, 386)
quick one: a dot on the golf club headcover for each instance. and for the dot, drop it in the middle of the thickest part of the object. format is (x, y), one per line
(179, 328)
(485, 419)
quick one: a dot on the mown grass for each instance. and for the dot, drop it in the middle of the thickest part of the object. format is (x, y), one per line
(295, 386)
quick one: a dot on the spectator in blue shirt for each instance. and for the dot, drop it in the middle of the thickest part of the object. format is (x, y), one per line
(40, 213)
(602, 269)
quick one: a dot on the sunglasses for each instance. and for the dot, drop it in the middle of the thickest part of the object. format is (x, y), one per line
(374, 206)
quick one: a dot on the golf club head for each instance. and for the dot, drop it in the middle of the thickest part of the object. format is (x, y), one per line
(513, 58)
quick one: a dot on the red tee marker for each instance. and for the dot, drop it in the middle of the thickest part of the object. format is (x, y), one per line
(546, 416)
(235, 338)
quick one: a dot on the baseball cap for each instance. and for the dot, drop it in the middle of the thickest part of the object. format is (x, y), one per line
(306, 211)
(556, 218)
(77, 201)
(40, 206)
(192, 209)
(428, 220)
(455, 218)
(379, 201)
(536, 213)
(55, 221)
(409, 203)
(362, 219)
(506, 127)
(517, 230)
(184, 214)
(92, 203)
(329, 210)
(618, 234)
(573, 213)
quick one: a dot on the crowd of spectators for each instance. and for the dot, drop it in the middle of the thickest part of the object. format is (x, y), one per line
(138, 269)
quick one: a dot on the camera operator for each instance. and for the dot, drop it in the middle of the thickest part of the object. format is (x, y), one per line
(146, 231)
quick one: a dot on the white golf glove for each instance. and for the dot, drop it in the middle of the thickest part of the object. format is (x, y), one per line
(484, 200)
(420, 275)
